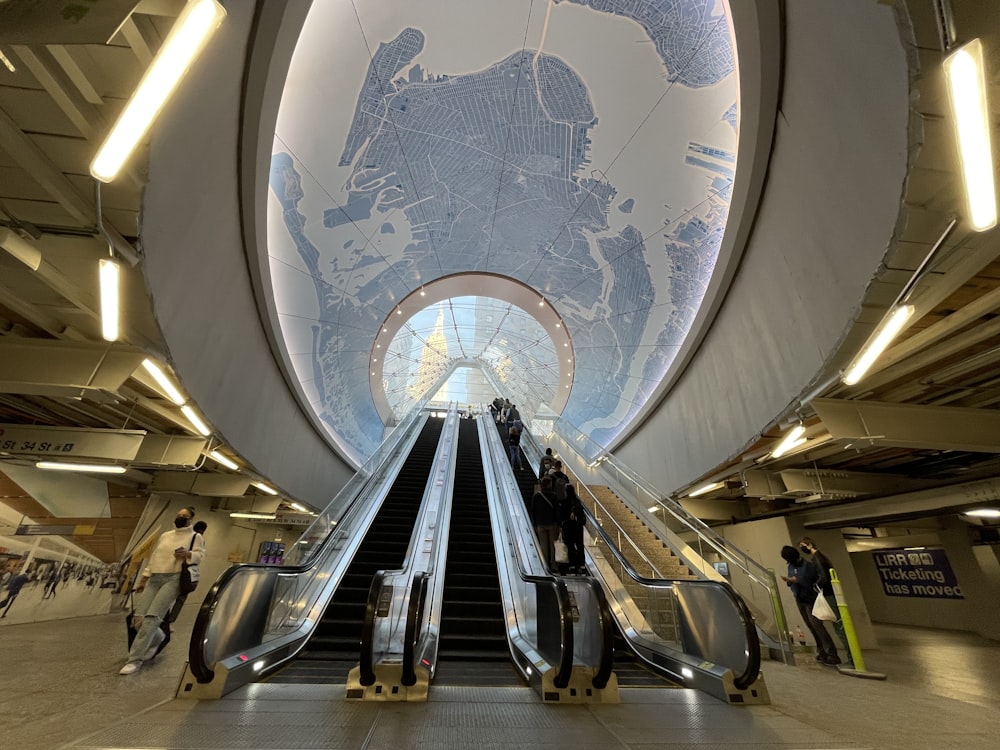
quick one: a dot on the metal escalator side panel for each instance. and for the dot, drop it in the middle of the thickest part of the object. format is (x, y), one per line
(254, 612)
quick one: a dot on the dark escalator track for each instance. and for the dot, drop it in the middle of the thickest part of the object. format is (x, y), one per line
(334, 647)
(473, 647)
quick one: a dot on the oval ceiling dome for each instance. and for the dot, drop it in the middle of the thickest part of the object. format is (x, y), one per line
(584, 149)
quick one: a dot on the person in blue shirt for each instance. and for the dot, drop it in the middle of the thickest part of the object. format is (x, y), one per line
(802, 579)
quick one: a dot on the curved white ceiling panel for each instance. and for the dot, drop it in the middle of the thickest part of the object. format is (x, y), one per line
(585, 148)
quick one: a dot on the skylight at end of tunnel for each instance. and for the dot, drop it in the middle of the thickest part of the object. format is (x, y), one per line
(469, 350)
(534, 142)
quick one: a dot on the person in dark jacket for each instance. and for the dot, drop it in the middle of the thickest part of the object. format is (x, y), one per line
(514, 442)
(572, 531)
(802, 579)
(823, 567)
(544, 512)
(14, 586)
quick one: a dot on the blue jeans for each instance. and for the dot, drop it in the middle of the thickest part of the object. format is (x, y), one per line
(153, 604)
(515, 456)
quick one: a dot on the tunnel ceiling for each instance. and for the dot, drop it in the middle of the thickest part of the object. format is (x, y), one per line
(584, 149)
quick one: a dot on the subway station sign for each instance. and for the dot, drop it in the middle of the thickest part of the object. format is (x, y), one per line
(920, 573)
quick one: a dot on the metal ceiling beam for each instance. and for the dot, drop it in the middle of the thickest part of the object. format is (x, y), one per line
(65, 57)
(942, 329)
(36, 316)
(911, 426)
(40, 168)
(911, 504)
(45, 69)
(953, 345)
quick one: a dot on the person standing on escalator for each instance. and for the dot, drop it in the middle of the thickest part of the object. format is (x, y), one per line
(544, 511)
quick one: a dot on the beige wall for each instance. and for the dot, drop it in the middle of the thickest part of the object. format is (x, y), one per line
(977, 575)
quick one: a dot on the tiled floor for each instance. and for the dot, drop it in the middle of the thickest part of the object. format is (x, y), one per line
(63, 690)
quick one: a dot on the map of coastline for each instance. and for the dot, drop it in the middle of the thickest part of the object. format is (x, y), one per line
(504, 159)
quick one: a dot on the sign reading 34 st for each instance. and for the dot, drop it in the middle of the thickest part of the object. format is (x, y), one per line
(33, 440)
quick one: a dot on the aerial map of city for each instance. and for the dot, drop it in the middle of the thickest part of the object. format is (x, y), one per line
(583, 147)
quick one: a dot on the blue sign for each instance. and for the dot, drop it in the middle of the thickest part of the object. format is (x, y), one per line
(923, 574)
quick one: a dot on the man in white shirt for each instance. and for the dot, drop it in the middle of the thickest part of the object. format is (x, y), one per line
(160, 583)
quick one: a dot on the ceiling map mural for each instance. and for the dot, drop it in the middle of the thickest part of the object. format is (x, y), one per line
(585, 148)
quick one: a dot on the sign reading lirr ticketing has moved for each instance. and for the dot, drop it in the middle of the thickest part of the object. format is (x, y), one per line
(924, 573)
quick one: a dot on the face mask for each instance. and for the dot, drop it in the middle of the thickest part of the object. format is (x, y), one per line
(180, 522)
(805, 550)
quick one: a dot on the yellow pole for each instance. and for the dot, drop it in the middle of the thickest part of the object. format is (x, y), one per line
(848, 623)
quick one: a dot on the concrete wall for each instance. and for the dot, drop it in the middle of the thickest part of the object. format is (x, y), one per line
(200, 283)
(976, 572)
(825, 221)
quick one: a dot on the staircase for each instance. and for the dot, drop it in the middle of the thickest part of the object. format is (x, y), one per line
(664, 560)
(334, 647)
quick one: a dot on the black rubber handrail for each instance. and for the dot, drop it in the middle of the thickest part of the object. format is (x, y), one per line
(565, 670)
(368, 630)
(414, 613)
(749, 674)
(608, 627)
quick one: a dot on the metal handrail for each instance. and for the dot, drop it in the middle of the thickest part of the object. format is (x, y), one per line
(564, 669)
(747, 676)
(352, 497)
(756, 574)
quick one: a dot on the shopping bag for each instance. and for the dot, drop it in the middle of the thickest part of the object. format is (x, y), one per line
(822, 610)
(561, 553)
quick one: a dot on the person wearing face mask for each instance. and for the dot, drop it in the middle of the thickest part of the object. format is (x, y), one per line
(823, 565)
(159, 584)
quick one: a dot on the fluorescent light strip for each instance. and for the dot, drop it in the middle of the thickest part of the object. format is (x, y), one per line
(264, 488)
(879, 341)
(195, 420)
(705, 489)
(164, 382)
(186, 39)
(109, 273)
(223, 459)
(258, 516)
(299, 508)
(792, 440)
(967, 87)
(983, 513)
(93, 468)
(20, 248)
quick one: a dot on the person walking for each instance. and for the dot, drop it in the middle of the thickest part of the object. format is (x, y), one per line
(14, 586)
(802, 579)
(159, 585)
(199, 528)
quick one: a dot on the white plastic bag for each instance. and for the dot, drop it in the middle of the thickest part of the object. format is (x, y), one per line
(560, 551)
(822, 610)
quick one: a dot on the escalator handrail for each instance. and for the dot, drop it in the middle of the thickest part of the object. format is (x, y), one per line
(749, 674)
(202, 672)
(564, 669)
(368, 632)
(414, 614)
(608, 626)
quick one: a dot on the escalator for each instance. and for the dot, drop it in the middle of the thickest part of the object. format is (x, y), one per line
(334, 649)
(473, 647)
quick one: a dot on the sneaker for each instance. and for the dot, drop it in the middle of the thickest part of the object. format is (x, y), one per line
(129, 668)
